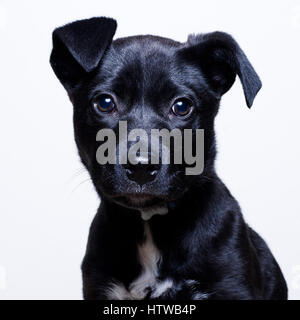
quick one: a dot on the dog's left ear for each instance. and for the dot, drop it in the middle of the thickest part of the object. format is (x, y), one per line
(221, 59)
(78, 48)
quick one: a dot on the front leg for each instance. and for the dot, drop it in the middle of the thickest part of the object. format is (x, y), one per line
(178, 290)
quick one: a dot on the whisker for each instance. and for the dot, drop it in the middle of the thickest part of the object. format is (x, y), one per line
(80, 184)
(77, 173)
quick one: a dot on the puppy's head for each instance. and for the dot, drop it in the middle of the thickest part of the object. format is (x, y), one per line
(147, 82)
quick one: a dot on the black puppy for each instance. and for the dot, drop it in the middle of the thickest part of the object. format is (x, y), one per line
(198, 246)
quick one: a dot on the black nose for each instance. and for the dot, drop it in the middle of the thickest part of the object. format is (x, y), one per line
(141, 173)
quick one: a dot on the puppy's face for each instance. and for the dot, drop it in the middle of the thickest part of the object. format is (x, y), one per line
(143, 81)
(151, 83)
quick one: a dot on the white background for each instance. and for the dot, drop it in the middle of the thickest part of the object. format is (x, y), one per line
(46, 199)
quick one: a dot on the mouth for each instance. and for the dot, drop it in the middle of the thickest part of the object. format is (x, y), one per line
(139, 200)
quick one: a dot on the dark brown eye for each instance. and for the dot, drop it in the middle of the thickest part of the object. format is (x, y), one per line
(104, 103)
(182, 107)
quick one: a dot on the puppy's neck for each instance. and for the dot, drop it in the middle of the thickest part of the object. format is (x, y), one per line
(148, 213)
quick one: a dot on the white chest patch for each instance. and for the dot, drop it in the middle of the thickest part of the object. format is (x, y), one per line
(149, 258)
(148, 213)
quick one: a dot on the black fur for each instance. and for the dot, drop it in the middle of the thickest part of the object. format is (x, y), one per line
(204, 236)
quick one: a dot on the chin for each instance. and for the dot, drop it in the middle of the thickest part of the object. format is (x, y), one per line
(139, 201)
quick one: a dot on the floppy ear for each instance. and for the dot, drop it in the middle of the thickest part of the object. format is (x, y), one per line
(221, 59)
(78, 48)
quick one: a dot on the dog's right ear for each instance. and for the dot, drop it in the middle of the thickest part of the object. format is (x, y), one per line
(78, 48)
